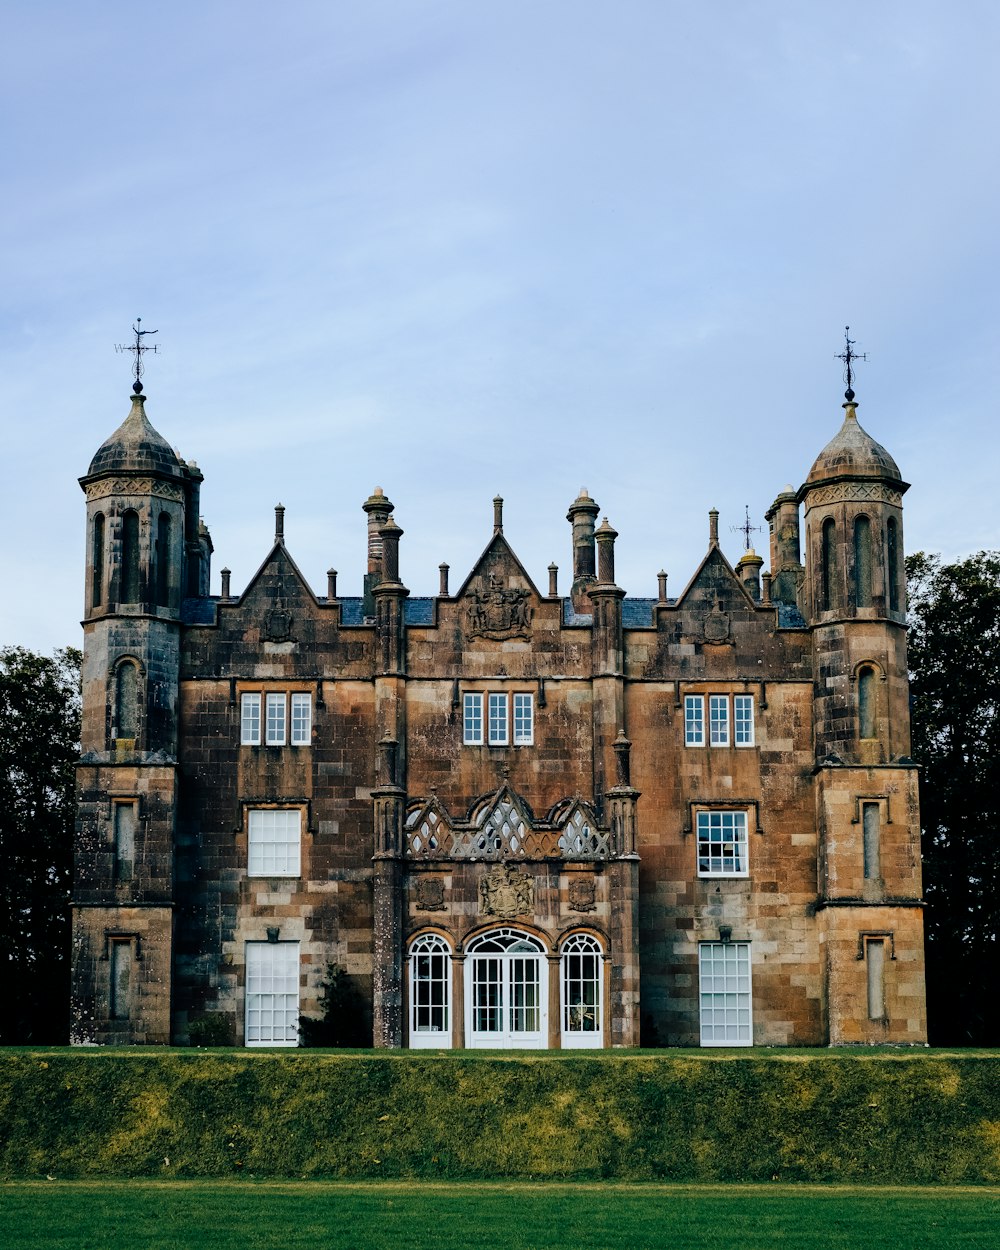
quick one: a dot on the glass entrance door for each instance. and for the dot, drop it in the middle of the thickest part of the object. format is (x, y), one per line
(506, 1004)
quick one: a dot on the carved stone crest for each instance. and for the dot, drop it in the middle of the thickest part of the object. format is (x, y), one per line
(499, 612)
(582, 894)
(505, 892)
(278, 625)
(717, 624)
(430, 894)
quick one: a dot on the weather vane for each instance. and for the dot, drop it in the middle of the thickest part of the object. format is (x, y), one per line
(746, 529)
(847, 356)
(138, 347)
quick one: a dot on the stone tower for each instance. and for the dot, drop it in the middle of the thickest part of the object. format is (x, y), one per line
(145, 551)
(853, 597)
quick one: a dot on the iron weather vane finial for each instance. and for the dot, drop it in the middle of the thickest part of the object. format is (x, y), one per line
(848, 356)
(138, 348)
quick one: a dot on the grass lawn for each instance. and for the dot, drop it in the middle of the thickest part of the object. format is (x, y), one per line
(279, 1215)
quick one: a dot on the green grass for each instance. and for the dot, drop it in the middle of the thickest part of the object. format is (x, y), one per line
(221, 1215)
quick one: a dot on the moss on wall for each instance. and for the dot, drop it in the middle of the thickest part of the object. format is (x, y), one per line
(668, 1116)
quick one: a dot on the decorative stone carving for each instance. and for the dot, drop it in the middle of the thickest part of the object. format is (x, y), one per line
(278, 625)
(133, 486)
(430, 894)
(855, 492)
(582, 894)
(505, 892)
(717, 624)
(499, 612)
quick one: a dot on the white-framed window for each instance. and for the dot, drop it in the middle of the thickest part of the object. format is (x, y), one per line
(489, 716)
(743, 734)
(301, 720)
(506, 991)
(694, 720)
(430, 992)
(582, 996)
(722, 843)
(274, 835)
(472, 719)
(272, 997)
(499, 734)
(718, 719)
(275, 705)
(724, 994)
(524, 719)
(250, 720)
(729, 723)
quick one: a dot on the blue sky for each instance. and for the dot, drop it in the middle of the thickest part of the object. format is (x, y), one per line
(454, 249)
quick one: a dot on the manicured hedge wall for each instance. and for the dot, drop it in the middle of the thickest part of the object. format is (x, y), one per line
(756, 1117)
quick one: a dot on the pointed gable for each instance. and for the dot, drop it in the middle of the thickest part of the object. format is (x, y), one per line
(500, 598)
(715, 585)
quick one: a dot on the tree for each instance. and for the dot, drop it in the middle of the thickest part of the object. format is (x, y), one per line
(954, 658)
(40, 714)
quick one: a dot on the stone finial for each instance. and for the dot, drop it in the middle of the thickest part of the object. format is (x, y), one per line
(387, 755)
(497, 514)
(713, 527)
(605, 538)
(661, 586)
(443, 580)
(748, 571)
(279, 523)
(331, 584)
(226, 574)
(623, 767)
(766, 591)
(553, 580)
(390, 534)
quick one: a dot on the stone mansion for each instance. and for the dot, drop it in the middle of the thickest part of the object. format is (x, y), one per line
(515, 817)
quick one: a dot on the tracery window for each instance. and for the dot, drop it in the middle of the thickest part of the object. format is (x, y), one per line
(582, 991)
(430, 991)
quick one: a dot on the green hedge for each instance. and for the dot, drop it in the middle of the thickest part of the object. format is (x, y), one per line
(827, 1116)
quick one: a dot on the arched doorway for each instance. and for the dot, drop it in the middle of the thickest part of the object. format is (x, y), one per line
(506, 991)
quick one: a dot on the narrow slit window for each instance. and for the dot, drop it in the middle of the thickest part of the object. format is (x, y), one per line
(870, 822)
(866, 703)
(163, 560)
(121, 980)
(828, 564)
(875, 958)
(862, 562)
(130, 557)
(892, 559)
(124, 833)
(126, 700)
(97, 555)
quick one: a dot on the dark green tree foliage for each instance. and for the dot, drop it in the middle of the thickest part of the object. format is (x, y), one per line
(954, 658)
(343, 1022)
(39, 746)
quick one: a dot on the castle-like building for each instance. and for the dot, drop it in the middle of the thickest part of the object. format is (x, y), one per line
(514, 817)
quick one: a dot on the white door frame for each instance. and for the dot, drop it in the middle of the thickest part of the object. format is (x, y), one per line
(508, 971)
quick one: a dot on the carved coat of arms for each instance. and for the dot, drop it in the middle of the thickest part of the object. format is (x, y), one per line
(278, 625)
(497, 611)
(582, 895)
(430, 894)
(505, 892)
(717, 624)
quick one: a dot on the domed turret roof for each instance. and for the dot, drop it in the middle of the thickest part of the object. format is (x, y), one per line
(135, 447)
(852, 453)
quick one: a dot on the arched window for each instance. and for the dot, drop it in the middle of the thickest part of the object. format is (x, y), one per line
(828, 564)
(582, 999)
(506, 997)
(126, 700)
(130, 557)
(97, 563)
(862, 563)
(430, 992)
(163, 560)
(892, 559)
(866, 703)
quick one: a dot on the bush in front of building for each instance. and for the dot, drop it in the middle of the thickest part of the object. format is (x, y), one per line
(846, 1117)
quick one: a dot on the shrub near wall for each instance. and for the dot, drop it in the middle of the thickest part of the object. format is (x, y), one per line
(825, 1117)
